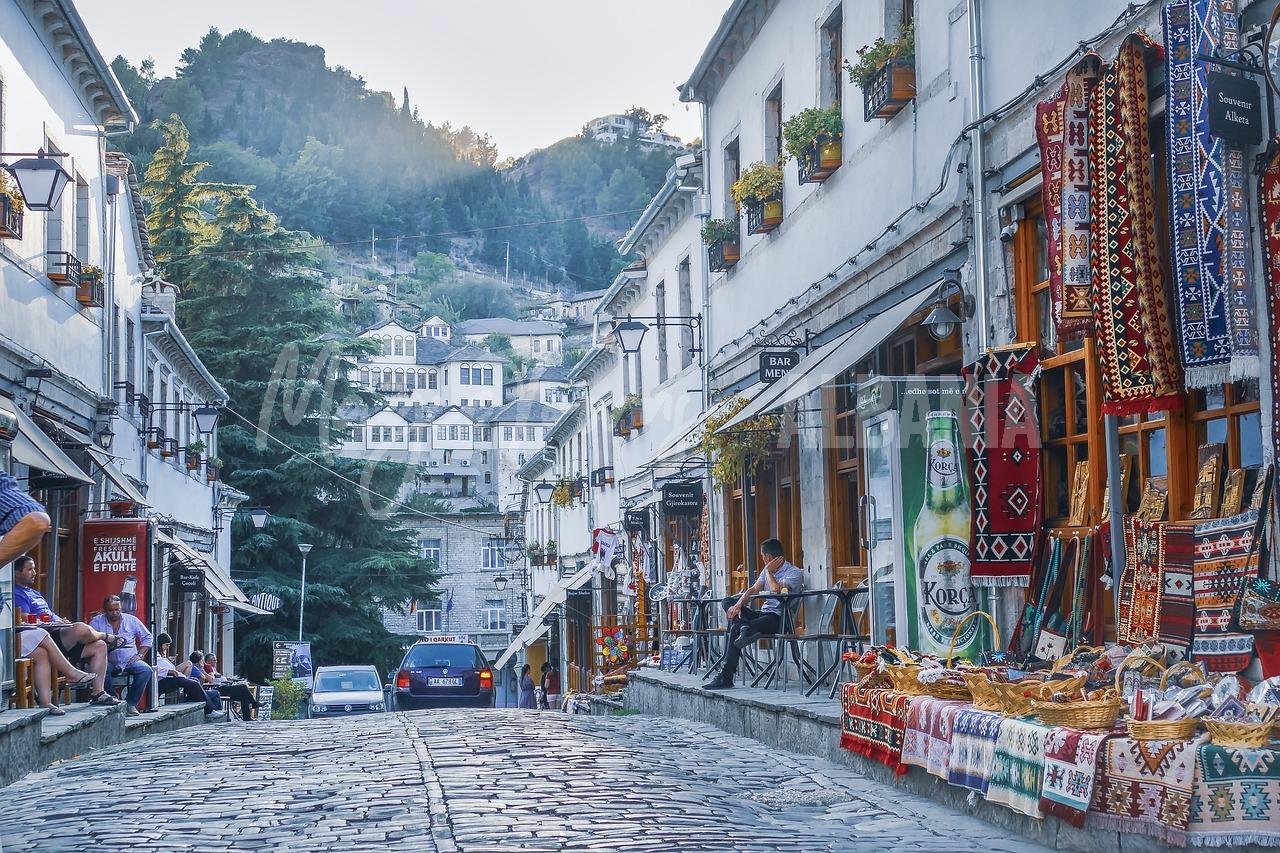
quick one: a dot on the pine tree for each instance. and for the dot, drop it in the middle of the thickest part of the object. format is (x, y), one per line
(256, 312)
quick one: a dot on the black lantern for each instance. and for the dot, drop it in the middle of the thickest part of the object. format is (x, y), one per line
(500, 583)
(41, 179)
(543, 491)
(259, 515)
(206, 418)
(629, 334)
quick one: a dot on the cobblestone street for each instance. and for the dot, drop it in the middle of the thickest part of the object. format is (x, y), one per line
(470, 781)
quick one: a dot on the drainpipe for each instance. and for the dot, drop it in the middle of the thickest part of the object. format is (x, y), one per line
(978, 159)
(704, 266)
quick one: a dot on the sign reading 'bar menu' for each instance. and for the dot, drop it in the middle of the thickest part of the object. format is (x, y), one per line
(1235, 108)
(682, 498)
(774, 364)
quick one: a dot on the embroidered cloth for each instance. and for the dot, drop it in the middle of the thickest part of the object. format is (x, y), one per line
(1062, 130)
(927, 737)
(1017, 767)
(1224, 558)
(1209, 218)
(973, 748)
(873, 723)
(1236, 800)
(1003, 445)
(1142, 583)
(1144, 787)
(1140, 369)
(1070, 765)
(1177, 604)
(1269, 196)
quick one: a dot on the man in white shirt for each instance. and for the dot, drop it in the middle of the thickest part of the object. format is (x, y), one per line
(746, 624)
(131, 658)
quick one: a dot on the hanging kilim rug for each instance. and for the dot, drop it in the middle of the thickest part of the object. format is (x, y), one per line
(1177, 604)
(1236, 800)
(1209, 220)
(973, 747)
(1140, 369)
(1062, 129)
(1142, 583)
(1003, 444)
(1144, 787)
(1070, 764)
(873, 723)
(1017, 767)
(1225, 558)
(1269, 193)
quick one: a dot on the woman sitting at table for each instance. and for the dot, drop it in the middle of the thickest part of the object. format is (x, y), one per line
(36, 644)
(171, 679)
(235, 691)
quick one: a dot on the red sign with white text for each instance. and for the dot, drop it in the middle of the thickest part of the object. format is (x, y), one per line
(114, 561)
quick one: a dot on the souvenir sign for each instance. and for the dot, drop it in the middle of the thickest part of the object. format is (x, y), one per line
(682, 498)
(1235, 108)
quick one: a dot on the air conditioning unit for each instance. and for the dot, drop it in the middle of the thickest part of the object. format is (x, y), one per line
(466, 463)
(435, 464)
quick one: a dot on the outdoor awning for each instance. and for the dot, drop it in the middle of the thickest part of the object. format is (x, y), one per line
(826, 363)
(536, 628)
(122, 484)
(687, 438)
(37, 450)
(217, 580)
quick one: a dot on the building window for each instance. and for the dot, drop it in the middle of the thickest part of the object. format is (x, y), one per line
(453, 432)
(493, 616)
(429, 549)
(529, 434)
(491, 557)
(364, 376)
(410, 346)
(831, 44)
(398, 346)
(432, 380)
(773, 125)
(506, 434)
(488, 433)
(431, 618)
(685, 296)
(484, 457)
(546, 395)
(488, 476)
(520, 458)
(442, 433)
(356, 433)
(732, 171)
(537, 345)
(410, 381)
(413, 434)
(488, 404)
(465, 401)
(488, 376)
(660, 300)
(464, 432)
(399, 432)
(464, 375)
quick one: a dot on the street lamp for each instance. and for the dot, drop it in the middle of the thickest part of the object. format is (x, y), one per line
(942, 321)
(302, 598)
(259, 515)
(40, 178)
(206, 418)
(500, 582)
(543, 492)
(629, 334)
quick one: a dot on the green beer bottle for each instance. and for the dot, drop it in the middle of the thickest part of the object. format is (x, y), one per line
(943, 594)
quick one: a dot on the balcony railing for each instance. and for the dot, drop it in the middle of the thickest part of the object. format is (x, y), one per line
(10, 219)
(763, 216)
(91, 292)
(63, 268)
(891, 89)
(722, 255)
(819, 162)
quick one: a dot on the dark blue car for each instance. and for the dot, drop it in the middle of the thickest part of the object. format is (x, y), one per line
(443, 675)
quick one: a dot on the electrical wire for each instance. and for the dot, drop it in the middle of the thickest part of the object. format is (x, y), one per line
(406, 508)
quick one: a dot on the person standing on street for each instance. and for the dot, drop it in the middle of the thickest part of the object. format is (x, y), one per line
(746, 624)
(551, 686)
(130, 659)
(527, 699)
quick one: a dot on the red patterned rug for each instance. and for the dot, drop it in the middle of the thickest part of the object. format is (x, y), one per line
(1142, 583)
(1269, 193)
(874, 723)
(1140, 368)
(1003, 444)
(1178, 605)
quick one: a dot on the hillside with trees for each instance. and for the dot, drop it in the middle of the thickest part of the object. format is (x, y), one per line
(331, 157)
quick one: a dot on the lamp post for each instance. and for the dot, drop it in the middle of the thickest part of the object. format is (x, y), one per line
(40, 178)
(543, 492)
(302, 597)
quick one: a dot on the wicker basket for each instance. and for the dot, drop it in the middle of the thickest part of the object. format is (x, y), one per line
(1016, 699)
(1163, 729)
(986, 693)
(863, 669)
(1063, 663)
(961, 687)
(1224, 733)
(903, 674)
(1197, 674)
(1090, 714)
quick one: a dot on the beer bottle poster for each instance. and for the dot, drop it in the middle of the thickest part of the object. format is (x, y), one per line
(936, 519)
(114, 561)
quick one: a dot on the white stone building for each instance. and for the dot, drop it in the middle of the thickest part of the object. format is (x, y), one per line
(540, 340)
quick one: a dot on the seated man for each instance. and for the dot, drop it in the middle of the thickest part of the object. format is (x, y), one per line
(129, 659)
(747, 625)
(36, 645)
(80, 643)
(23, 522)
(238, 692)
(171, 679)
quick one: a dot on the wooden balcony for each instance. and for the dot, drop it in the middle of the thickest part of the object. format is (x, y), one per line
(63, 268)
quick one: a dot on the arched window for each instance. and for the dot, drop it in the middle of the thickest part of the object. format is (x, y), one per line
(399, 345)
(410, 381)
(364, 376)
(399, 380)
(433, 380)
(422, 379)
(386, 345)
(410, 346)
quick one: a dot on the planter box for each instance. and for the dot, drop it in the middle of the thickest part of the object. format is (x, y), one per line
(121, 509)
(637, 418)
(820, 162)
(169, 448)
(622, 428)
(155, 440)
(63, 268)
(10, 220)
(193, 461)
(763, 217)
(90, 292)
(606, 476)
(211, 475)
(893, 87)
(723, 254)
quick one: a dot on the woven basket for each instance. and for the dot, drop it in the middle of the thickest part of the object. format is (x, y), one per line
(1016, 699)
(985, 692)
(1163, 729)
(960, 686)
(863, 669)
(1224, 733)
(1091, 714)
(903, 674)
(1197, 674)
(1063, 663)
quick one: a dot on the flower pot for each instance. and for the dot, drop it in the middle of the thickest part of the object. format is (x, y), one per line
(193, 462)
(637, 418)
(830, 155)
(891, 89)
(723, 254)
(89, 292)
(819, 162)
(121, 509)
(211, 475)
(763, 217)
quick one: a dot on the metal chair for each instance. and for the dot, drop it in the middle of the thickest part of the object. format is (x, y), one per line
(857, 638)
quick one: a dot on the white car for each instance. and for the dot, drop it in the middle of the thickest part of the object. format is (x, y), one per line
(338, 691)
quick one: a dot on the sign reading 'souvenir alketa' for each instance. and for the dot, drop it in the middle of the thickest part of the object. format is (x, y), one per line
(1235, 108)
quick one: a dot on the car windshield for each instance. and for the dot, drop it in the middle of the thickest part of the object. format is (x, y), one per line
(444, 654)
(349, 680)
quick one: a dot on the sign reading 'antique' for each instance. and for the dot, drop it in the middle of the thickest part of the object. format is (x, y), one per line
(682, 498)
(774, 363)
(1235, 108)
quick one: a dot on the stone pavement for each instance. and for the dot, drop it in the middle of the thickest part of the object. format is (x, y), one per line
(470, 781)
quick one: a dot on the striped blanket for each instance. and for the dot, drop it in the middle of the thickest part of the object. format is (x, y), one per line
(973, 748)
(1017, 767)
(927, 740)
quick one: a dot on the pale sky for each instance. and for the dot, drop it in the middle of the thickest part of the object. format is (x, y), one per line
(527, 73)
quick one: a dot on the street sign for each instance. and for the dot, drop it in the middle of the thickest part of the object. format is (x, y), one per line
(266, 694)
(636, 521)
(682, 498)
(291, 660)
(774, 364)
(1235, 108)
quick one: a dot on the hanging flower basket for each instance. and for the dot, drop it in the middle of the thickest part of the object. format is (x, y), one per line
(740, 451)
(813, 137)
(722, 239)
(759, 192)
(886, 72)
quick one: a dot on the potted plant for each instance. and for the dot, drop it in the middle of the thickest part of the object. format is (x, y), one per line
(721, 237)
(534, 552)
(813, 137)
(550, 553)
(734, 454)
(759, 191)
(121, 508)
(89, 288)
(193, 451)
(621, 421)
(11, 209)
(886, 73)
(213, 467)
(634, 406)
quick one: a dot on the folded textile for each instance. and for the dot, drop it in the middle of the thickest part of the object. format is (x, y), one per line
(1070, 765)
(1236, 799)
(927, 738)
(973, 747)
(1144, 787)
(1017, 767)
(873, 724)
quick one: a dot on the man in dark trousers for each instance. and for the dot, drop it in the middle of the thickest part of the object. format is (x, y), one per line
(746, 624)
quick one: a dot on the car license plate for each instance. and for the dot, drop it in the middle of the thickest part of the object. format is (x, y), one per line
(444, 682)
